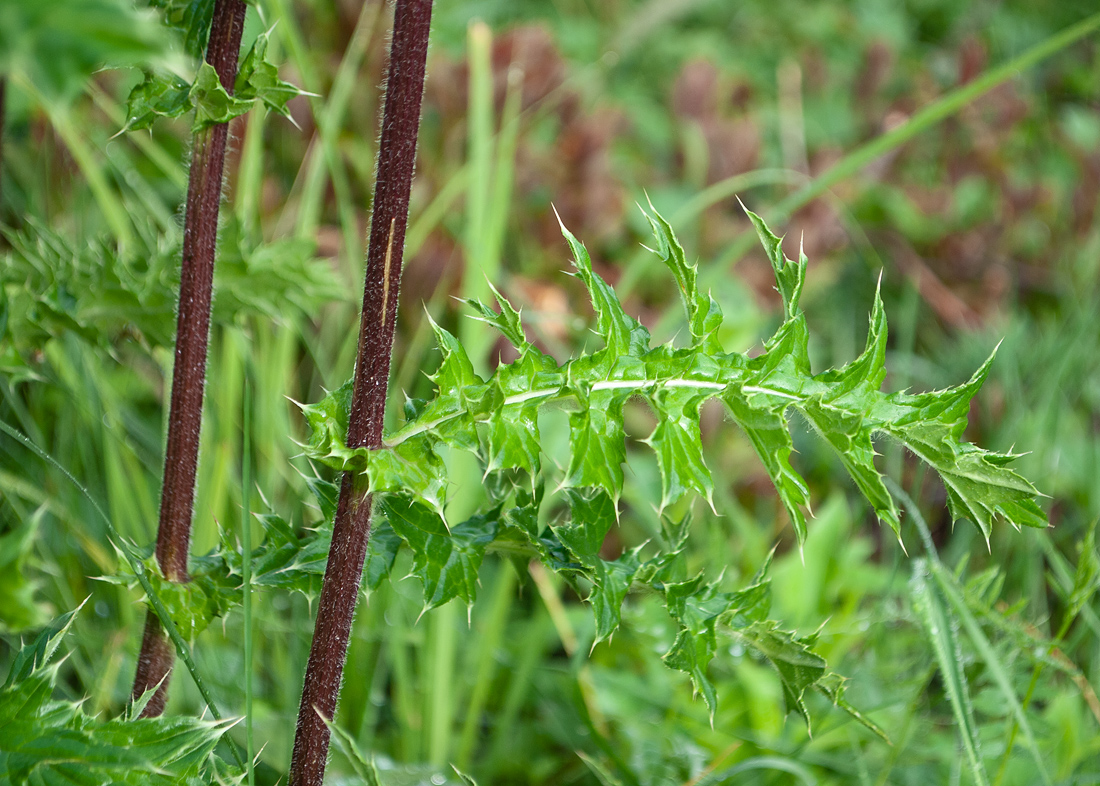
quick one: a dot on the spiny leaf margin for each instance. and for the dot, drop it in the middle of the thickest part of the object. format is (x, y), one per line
(497, 420)
(53, 741)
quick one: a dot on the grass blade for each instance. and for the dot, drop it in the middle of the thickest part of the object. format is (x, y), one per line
(923, 120)
(139, 571)
(246, 575)
(950, 590)
(491, 637)
(940, 627)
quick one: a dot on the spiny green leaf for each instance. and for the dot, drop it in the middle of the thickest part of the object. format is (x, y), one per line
(169, 95)
(381, 552)
(622, 334)
(703, 313)
(191, 18)
(49, 741)
(213, 104)
(192, 605)
(461, 394)
(328, 425)
(446, 562)
(158, 95)
(26, 697)
(144, 751)
(258, 79)
(507, 320)
(137, 704)
(285, 558)
(596, 439)
(690, 653)
(836, 415)
(979, 485)
(675, 440)
(33, 657)
(789, 275)
(766, 426)
(513, 438)
(798, 666)
(698, 607)
(497, 421)
(675, 533)
(845, 406)
(612, 581)
(592, 514)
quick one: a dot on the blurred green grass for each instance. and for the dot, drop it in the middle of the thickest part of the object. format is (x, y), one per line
(984, 229)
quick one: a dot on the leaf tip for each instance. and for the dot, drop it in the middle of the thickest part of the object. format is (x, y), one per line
(561, 223)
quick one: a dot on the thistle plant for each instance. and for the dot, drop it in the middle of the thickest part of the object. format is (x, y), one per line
(51, 741)
(204, 193)
(212, 99)
(363, 425)
(497, 421)
(402, 477)
(539, 505)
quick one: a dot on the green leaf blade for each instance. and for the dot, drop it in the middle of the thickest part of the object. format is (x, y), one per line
(213, 104)
(704, 315)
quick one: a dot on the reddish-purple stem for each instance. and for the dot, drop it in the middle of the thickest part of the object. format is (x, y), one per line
(200, 234)
(351, 530)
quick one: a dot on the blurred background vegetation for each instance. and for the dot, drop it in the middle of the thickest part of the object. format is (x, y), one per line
(983, 229)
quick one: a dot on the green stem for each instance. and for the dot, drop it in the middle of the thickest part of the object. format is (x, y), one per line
(246, 574)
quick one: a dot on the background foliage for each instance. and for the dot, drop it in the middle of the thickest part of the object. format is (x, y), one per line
(984, 229)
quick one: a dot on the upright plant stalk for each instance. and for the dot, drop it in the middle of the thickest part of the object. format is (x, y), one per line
(351, 530)
(200, 230)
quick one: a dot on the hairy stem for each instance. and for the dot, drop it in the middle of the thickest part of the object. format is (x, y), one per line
(200, 231)
(351, 531)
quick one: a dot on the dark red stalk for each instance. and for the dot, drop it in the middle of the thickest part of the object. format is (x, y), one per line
(200, 233)
(385, 249)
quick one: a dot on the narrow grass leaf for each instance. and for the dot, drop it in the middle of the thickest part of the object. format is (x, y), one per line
(940, 627)
(953, 593)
